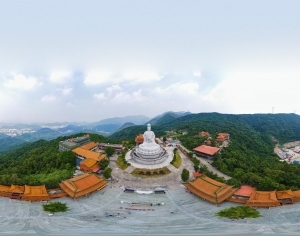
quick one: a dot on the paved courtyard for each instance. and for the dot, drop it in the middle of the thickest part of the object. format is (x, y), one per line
(109, 212)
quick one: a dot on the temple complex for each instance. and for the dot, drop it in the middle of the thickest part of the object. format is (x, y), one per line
(149, 152)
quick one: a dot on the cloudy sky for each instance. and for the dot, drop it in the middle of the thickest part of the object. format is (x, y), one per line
(89, 60)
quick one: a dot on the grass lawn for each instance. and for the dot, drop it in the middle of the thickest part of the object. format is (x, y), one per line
(178, 160)
(121, 163)
(239, 212)
(150, 173)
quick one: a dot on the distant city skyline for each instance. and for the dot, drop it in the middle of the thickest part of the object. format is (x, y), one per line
(90, 60)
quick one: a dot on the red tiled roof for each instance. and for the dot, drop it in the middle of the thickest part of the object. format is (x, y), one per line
(244, 191)
(197, 174)
(207, 149)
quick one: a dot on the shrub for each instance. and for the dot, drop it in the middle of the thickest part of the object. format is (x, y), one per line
(239, 212)
(107, 173)
(54, 207)
(185, 175)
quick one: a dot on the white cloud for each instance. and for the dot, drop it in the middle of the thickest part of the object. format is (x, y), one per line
(197, 74)
(48, 98)
(70, 105)
(189, 88)
(142, 76)
(66, 91)
(60, 77)
(124, 97)
(21, 82)
(97, 77)
(114, 87)
(133, 76)
(99, 96)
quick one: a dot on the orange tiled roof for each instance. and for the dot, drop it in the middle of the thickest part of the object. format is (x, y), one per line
(244, 191)
(207, 149)
(285, 194)
(89, 145)
(204, 134)
(35, 193)
(296, 193)
(210, 189)
(82, 185)
(4, 188)
(263, 199)
(139, 138)
(89, 154)
(16, 189)
(223, 134)
(89, 162)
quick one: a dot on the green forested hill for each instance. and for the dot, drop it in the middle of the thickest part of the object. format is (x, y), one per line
(250, 158)
(39, 163)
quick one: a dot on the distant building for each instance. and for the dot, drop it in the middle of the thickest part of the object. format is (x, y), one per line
(72, 143)
(222, 137)
(204, 134)
(139, 139)
(117, 147)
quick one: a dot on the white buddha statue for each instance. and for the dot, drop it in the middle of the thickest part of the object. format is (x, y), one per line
(149, 152)
(149, 136)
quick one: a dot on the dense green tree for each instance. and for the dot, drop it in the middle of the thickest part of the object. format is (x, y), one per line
(185, 175)
(107, 173)
(103, 163)
(109, 151)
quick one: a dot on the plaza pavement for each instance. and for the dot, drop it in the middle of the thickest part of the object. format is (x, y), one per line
(108, 212)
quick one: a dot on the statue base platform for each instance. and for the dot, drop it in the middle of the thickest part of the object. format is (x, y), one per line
(150, 163)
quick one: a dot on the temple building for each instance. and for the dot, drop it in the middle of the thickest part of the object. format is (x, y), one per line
(242, 195)
(139, 139)
(117, 147)
(35, 193)
(222, 137)
(72, 143)
(285, 196)
(83, 154)
(263, 199)
(210, 190)
(82, 185)
(204, 134)
(149, 152)
(206, 151)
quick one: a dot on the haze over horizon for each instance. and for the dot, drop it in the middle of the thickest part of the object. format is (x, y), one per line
(90, 60)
